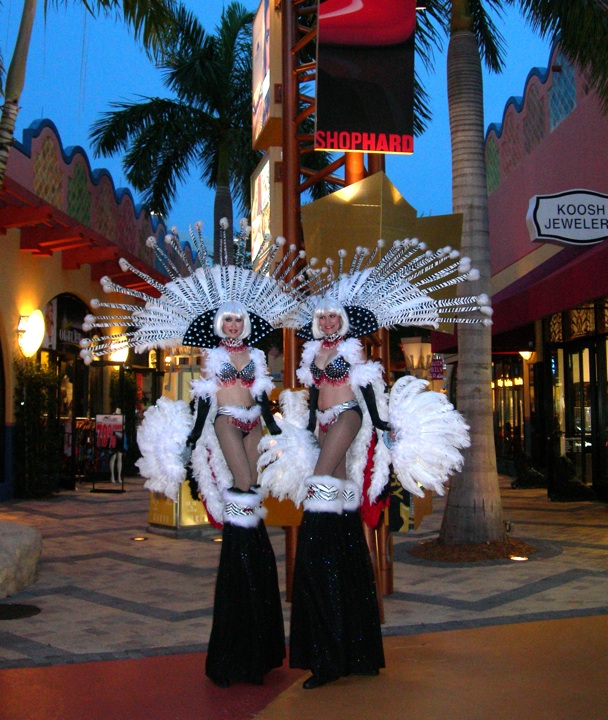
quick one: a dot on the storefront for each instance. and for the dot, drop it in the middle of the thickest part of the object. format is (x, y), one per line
(548, 207)
(62, 228)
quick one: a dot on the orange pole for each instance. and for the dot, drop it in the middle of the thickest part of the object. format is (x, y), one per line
(354, 169)
(291, 543)
(376, 162)
(371, 538)
(385, 546)
(291, 221)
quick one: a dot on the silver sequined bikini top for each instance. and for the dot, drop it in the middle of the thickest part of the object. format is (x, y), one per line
(336, 372)
(228, 374)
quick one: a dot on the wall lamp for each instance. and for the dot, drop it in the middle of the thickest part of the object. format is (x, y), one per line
(30, 333)
(526, 354)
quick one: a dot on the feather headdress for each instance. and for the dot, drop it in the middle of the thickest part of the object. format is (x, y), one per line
(401, 288)
(181, 311)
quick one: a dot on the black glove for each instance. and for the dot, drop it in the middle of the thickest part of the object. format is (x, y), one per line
(313, 404)
(370, 401)
(269, 420)
(201, 416)
(202, 411)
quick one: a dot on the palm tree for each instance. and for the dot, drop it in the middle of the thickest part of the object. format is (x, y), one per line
(473, 511)
(150, 20)
(206, 124)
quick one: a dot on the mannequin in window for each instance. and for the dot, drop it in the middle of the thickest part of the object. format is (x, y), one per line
(116, 453)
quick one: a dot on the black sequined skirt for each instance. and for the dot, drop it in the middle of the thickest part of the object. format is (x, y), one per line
(247, 637)
(335, 621)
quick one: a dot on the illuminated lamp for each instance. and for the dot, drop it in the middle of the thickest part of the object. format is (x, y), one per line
(121, 354)
(30, 333)
(526, 354)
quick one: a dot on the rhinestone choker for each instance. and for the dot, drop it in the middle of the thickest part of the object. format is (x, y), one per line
(233, 345)
(330, 341)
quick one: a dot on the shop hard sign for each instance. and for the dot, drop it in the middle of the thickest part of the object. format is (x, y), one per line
(574, 217)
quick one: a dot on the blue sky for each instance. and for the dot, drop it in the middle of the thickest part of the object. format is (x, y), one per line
(79, 65)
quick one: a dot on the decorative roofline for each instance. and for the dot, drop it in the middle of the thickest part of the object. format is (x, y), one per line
(69, 154)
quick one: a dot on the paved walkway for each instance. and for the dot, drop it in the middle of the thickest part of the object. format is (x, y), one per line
(123, 625)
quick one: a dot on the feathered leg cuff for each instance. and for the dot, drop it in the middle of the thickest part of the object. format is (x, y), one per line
(325, 494)
(243, 509)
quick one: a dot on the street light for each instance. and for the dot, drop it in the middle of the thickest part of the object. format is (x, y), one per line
(30, 333)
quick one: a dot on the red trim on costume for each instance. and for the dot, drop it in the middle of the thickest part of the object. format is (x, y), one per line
(371, 512)
(245, 425)
(212, 521)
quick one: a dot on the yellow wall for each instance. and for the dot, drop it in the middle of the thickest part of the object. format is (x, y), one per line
(27, 283)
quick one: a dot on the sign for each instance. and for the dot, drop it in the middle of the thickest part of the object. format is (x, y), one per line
(365, 76)
(109, 430)
(266, 201)
(436, 369)
(266, 76)
(574, 217)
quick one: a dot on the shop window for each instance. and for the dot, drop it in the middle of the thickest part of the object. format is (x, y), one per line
(562, 94)
(535, 120)
(508, 406)
(492, 165)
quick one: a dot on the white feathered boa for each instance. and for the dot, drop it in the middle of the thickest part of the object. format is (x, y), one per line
(287, 461)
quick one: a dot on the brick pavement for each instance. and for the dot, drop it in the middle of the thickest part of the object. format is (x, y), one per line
(104, 596)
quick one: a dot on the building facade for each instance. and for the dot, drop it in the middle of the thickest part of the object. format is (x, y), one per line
(63, 226)
(548, 206)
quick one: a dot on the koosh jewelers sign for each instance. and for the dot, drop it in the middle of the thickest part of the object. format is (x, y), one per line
(365, 76)
(574, 217)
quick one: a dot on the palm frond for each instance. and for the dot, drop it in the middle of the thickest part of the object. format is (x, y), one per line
(582, 30)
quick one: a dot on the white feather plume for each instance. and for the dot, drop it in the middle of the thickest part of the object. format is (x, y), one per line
(429, 435)
(162, 440)
(160, 314)
(294, 407)
(356, 457)
(401, 286)
(287, 460)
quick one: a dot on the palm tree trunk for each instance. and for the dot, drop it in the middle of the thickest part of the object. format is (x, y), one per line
(473, 511)
(222, 207)
(15, 80)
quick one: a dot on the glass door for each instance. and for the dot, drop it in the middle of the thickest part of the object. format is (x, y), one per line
(581, 409)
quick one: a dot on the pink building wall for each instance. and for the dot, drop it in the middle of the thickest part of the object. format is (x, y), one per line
(573, 155)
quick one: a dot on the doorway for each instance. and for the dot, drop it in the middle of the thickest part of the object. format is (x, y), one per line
(581, 407)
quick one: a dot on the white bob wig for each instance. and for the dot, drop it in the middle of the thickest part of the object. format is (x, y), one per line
(329, 305)
(238, 311)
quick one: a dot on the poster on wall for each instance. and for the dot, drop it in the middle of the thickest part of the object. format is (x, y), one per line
(365, 76)
(63, 318)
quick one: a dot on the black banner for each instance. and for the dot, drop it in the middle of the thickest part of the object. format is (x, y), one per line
(365, 76)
